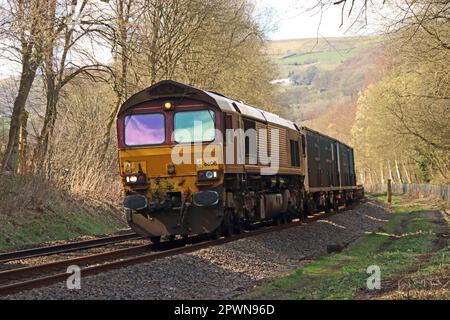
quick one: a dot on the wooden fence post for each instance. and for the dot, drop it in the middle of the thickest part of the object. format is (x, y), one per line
(389, 191)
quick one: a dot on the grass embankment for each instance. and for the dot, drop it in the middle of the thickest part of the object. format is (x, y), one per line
(412, 253)
(33, 211)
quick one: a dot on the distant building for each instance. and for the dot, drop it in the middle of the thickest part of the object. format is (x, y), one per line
(284, 82)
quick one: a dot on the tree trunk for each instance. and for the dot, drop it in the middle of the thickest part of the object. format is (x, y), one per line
(52, 91)
(381, 173)
(11, 157)
(120, 87)
(406, 172)
(397, 169)
(153, 46)
(48, 126)
(361, 176)
(390, 171)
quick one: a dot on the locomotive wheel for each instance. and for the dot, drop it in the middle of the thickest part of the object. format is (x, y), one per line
(288, 218)
(228, 223)
(237, 228)
(216, 233)
(350, 203)
(277, 221)
(308, 209)
(335, 205)
(303, 214)
(228, 229)
(327, 207)
(156, 239)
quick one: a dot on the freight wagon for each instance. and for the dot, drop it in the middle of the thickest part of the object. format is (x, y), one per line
(330, 177)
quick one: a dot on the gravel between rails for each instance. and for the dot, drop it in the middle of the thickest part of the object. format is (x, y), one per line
(225, 271)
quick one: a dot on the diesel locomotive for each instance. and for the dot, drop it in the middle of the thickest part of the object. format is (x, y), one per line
(197, 162)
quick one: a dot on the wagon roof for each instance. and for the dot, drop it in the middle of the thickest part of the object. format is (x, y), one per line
(171, 89)
(303, 128)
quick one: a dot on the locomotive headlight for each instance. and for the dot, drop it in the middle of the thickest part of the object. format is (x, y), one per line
(208, 175)
(131, 179)
(168, 105)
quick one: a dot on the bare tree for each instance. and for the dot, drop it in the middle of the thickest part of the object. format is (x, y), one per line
(21, 42)
(118, 27)
(60, 51)
(198, 42)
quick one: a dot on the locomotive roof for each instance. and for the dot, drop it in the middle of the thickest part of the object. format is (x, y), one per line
(171, 89)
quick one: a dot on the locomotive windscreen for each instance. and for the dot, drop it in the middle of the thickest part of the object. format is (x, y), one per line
(144, 129)
(194, 126)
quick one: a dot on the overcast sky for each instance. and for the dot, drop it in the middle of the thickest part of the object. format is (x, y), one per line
(299, 19)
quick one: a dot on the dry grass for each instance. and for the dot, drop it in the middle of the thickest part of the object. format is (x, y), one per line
(432, 287)
(33, 210)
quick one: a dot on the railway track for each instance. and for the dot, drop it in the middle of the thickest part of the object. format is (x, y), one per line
(67, 247)
(12, 281)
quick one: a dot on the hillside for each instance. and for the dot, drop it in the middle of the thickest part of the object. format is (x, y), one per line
(325, 79)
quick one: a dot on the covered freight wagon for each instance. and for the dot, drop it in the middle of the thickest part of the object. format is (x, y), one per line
(330, 169)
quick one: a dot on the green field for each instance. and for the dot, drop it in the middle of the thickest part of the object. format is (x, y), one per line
(412, 248)
(318, 51)
(331, 56)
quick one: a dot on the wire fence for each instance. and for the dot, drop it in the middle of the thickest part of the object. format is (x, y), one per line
(441, 191)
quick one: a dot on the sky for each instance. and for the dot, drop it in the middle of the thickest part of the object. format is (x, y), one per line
(295, 19)
(289, 19)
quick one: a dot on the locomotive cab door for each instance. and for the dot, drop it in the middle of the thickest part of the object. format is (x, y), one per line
(233, 149)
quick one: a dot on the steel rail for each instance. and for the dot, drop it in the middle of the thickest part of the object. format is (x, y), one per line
(29, 271)
(66, 247)
(137, 257)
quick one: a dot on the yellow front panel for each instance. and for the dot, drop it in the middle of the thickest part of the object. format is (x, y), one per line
(154, 163)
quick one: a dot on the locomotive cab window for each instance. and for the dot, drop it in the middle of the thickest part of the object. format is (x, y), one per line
(250, 138)
(228, 121)
(295, 153)
(144, 129)
(228, 126)
(304, 146)
(194, 126)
